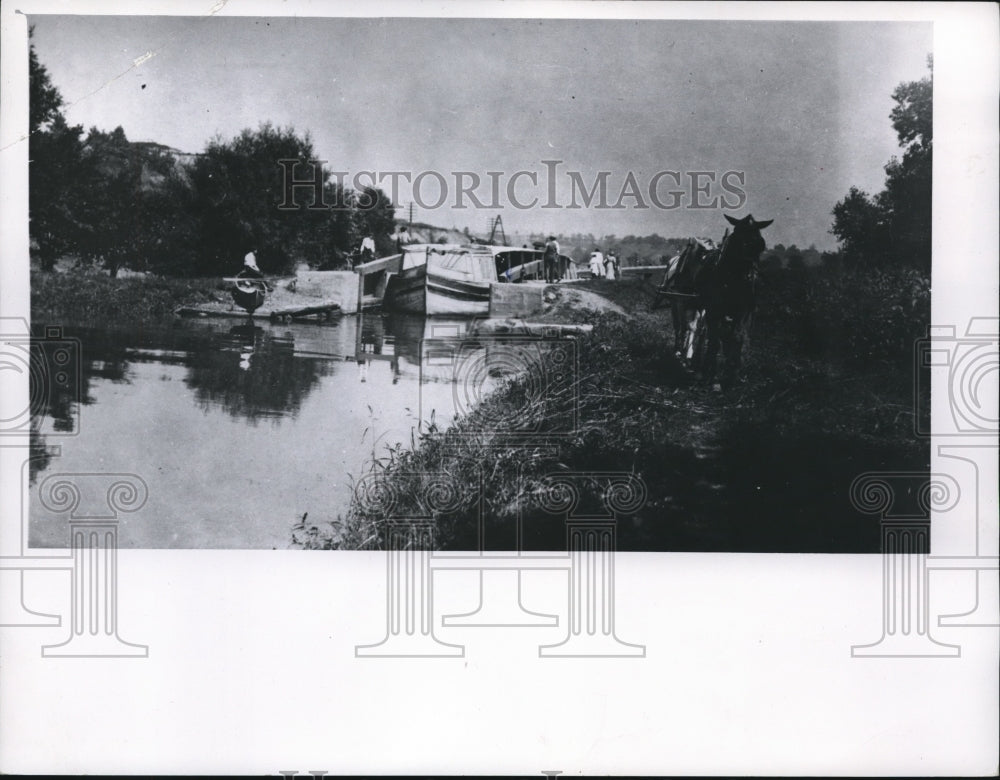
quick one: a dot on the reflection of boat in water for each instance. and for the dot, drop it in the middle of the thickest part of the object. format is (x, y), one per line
(451, 280)
(249, 293)
(246, 336)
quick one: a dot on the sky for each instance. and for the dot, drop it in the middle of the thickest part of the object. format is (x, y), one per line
(798, 111)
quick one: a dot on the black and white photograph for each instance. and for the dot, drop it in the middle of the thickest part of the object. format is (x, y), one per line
(617, 378)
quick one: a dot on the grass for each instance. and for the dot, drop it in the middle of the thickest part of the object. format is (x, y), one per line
(765, 466)
(89, 298)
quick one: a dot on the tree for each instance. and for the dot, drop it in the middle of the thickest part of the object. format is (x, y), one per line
(238, 188)
(44, 100)
(374, 215)
(895, 225)
(122, 209)
(859, 224)
(54, 152)
(55, 179)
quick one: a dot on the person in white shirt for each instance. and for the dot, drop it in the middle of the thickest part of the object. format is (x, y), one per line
(610, 262)
(367, 249)
(596, 264)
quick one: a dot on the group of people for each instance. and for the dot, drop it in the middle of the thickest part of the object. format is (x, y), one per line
(604, 266)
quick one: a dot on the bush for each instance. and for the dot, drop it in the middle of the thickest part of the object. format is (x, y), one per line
(863, 318)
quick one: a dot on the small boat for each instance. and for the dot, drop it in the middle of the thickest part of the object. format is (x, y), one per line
(452, 280)
(249, 293)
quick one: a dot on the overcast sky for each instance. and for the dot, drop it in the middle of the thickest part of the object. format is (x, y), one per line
(801, 108)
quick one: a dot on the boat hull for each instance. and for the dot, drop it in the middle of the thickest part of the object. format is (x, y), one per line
(417, 291)
(248, 296)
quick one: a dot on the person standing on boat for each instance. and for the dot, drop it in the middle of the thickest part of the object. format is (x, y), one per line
(402, 238)
(551, 261)
(596, 263)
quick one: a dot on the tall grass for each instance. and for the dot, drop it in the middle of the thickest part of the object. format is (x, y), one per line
(88, 297)
(828, 392)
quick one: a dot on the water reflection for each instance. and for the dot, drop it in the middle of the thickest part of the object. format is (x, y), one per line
(183, 407)
(253, 374)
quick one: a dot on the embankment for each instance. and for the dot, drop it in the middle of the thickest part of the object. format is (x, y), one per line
(763, 467)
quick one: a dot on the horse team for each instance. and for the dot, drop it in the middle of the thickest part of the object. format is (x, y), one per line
(711, 288)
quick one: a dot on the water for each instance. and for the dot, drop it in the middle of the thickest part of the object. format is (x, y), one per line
(237, 429)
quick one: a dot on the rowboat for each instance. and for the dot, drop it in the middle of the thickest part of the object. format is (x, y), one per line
(249, 294)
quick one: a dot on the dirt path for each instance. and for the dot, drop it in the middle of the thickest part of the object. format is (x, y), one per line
(562, 300)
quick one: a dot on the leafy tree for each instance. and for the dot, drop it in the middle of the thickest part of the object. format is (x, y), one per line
(238, 187)
(859, 224)
(894, 226)
(44, 100)
(55, 179)
(122, 211)
(374, 215)
(54, 151)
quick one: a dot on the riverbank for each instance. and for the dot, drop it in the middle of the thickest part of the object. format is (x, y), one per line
(763, 467)
(94, 297)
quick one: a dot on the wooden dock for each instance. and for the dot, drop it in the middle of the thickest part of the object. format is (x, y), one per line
(321, 311)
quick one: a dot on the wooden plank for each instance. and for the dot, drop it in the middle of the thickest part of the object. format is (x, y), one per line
(324, 310)
(194, 311)
(390, 263)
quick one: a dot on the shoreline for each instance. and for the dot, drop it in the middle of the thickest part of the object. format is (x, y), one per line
(762, 467)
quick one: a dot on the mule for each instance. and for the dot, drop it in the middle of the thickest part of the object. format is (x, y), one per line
(686, 308)
(725, 288)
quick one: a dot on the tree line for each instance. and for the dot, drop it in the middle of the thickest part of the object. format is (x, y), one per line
(113, 204)
(893, 227)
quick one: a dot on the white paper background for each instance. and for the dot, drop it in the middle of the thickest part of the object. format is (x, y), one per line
(748, 666)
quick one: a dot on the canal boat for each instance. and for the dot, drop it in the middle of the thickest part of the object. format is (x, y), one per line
(451, 280)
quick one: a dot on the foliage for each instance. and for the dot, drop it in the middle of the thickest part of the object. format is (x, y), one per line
(56, 183)
(115, 204)
(121, 211)
(238, 188)
(54, 151)
(374, 215)
(864, 318)
(765, 466)
(894, 226)
(89, 297)
(44, 100)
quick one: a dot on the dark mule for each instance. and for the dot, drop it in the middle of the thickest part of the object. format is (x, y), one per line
(726, 291)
